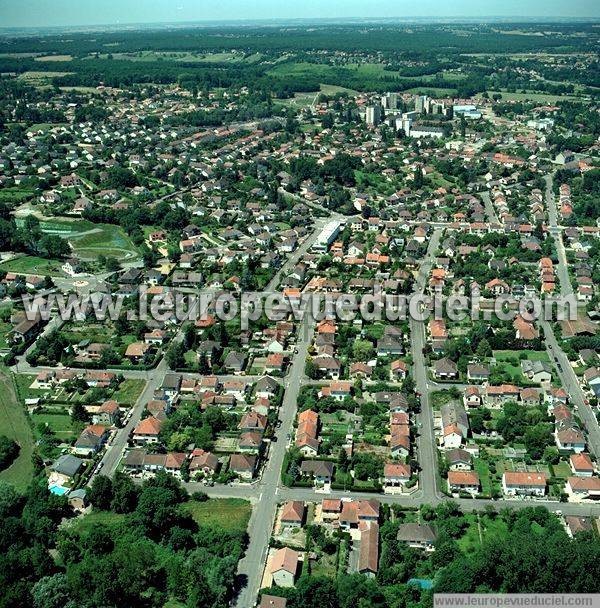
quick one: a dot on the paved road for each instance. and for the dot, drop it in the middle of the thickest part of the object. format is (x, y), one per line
(426, 440)
(571, 383)
(252, 493)
(562, 270)
(293, 259)
(489, 208)
(250, 568)
(114, 452)
(565, 371)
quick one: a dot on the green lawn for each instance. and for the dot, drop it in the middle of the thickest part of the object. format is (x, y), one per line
(229, 513)
(537, 97)
(562, 469)
(60, 424)
(5, 328)
(14, 424)
(509, 361)
(82, 525)
(31, 264)
(107, 240)
(129, 391)
(15, 194)
(487, 527)
(439, 398)
(22, 383)
(482, 469)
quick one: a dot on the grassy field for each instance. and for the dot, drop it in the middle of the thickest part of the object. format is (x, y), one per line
(82, 525)
(129, 391)
(41, 79)
(538, 97)
(15, 194)
(22, 383)
(60, 424)
(54, 58)
(14, 424)
(90, 240)
(506, 360)
(31, 264)
(107, 240)
(229, 513)
(483, 470)
(480, 528)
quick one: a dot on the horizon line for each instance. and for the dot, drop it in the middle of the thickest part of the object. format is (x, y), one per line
(464, 19)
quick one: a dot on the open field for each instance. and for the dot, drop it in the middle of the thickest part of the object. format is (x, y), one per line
(90, 240)
(129, 391)
(60, 424)
(510, 362)
(15, 194)
(40, 79)
(92, 520)
(30, 264)
(228, 513)
(105, 240)
(539, 97)
(54, 58)
(14, 424)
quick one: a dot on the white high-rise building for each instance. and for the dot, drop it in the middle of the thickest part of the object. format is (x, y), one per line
(390, 101)
(373, 115)
(420, 103)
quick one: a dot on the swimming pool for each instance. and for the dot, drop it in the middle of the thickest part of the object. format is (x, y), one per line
(58, 490)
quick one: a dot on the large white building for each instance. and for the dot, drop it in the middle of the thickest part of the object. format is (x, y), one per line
(327, 236)
(373, 115)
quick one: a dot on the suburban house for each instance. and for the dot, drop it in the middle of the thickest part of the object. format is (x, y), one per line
(455, 424)
(293, 513)
(418, 536)
(463, 481)
(320, 470)
(583, 488)
(581, 465)
(243, 465)
(108, 414)
(519, 483)
(536, 371)
(478, 373)
(91, 440)
(571, 439)
(284, 566)
(272, 601)
(395, 475)
(147, 431)
(445, 369)
(368, 557)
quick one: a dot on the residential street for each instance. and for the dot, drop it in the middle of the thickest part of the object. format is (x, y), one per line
(489, 208)
(263, 514)
(427, 453)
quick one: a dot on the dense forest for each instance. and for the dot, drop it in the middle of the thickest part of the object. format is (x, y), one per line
(140, 547)
(415, 56)
(495, 38)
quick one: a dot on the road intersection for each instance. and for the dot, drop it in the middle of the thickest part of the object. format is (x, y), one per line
(267, 492)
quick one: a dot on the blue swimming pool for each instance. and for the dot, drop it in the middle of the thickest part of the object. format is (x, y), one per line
(58, 490)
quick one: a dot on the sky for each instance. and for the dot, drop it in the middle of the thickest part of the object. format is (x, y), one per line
(39, 13)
